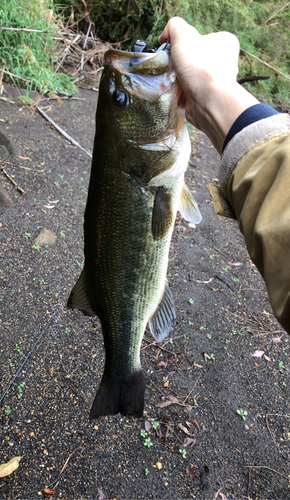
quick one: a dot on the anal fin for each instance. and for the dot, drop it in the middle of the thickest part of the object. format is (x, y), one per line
(78, 298)
(188, 206)
(163, 320)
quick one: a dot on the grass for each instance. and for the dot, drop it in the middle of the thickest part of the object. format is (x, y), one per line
(31, 55)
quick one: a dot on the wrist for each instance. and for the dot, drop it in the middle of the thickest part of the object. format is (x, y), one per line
(218, 109)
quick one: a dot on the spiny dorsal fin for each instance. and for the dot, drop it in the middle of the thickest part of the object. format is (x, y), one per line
(162, 216)
(188, 206)
(78, 298)
(163, 320)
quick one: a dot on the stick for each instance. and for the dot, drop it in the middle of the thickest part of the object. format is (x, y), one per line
(70, 139)
(275, 13)
(265, 467)
(15, 76)
(33, 31)
(52, 317)
(13, 182)
(266, 64)
(153, 344)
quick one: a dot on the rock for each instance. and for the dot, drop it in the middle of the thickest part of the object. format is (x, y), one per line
(5, 199)
(45, 237)
(8, 144)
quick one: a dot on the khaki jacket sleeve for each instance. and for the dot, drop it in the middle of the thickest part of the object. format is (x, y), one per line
(255, 179)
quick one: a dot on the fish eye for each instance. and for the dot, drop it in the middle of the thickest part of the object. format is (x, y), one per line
(121, 97)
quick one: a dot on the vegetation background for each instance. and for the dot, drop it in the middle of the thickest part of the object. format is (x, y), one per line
(263, 29)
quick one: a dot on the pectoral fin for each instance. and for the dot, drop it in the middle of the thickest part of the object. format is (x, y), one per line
(163, 320)
(78, 298)
(188, 206)
(162, 216)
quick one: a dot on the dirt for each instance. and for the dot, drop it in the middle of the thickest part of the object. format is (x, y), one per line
(206, 371)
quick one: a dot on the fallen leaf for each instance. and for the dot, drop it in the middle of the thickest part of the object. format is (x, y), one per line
(258, 354)
(256, 364)
(277, 339)
(266, 358)
(159, 465)
(193, 422)
(173, 399)
(205, 355)
(189, 442)
(9, 467)
(147, 426)
(162, 364)
(191, 472)
(48, 491)
(163, 404)
(235, 263)
(185, 430)
(102, 495)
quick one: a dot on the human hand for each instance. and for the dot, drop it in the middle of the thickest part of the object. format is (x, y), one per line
(207, 68)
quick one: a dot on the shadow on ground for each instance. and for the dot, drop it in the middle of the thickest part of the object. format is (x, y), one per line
(200, 447)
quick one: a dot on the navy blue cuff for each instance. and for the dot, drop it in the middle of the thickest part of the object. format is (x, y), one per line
(249, 116)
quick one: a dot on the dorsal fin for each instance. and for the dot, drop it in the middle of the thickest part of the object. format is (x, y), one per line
(163, 320)
(78, 298)
(188, 206)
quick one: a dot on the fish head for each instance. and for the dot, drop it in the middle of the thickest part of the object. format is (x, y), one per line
(138, 114)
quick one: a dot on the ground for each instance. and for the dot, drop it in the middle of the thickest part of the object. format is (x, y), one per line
(227, 352)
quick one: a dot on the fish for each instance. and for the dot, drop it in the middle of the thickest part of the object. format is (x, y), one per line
(141, 151)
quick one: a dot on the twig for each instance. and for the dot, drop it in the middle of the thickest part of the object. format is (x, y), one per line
(52, 317)
(15, 76)
(33, 31)
(190, 391)
(153, 344)
(268, 468)
(75, 143)
(224, 281)
(266, 64)
(276, 13)
(13, 182)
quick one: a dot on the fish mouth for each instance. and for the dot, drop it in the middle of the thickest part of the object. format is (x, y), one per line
(156, 63)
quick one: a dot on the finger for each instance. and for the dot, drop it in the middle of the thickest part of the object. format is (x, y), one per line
(175, 29)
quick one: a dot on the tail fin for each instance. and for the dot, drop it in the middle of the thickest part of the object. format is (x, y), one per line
(120, 395)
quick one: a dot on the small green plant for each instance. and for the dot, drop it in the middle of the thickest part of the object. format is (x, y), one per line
(209, 336)
(27, 235)
(224, 270)
(80, 264)
(190, 323)
(242, 414)
(20, 390)
(190, 301)
(62, 234)
(36, 247)
(148, 442)
(7, 410)
(182, 451)
(67, 330)
(154, 424)
(281, 366)
(284, 384)
(17, 348)
(143, 433)
(211, 357)
(146, 472)
(203, 328)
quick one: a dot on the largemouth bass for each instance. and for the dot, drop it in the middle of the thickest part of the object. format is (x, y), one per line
(141, 151)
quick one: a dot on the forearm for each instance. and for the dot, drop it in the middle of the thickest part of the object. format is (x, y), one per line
(255, 178)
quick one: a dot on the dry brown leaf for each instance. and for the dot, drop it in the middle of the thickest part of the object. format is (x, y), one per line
(189, 442)
(48, 491)
(258, 354)
(191, 472)
(185, 430)
(147, 426)
(266, 358)
(9, 467)
(162, 364)
(173, 399)
(163, 404)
